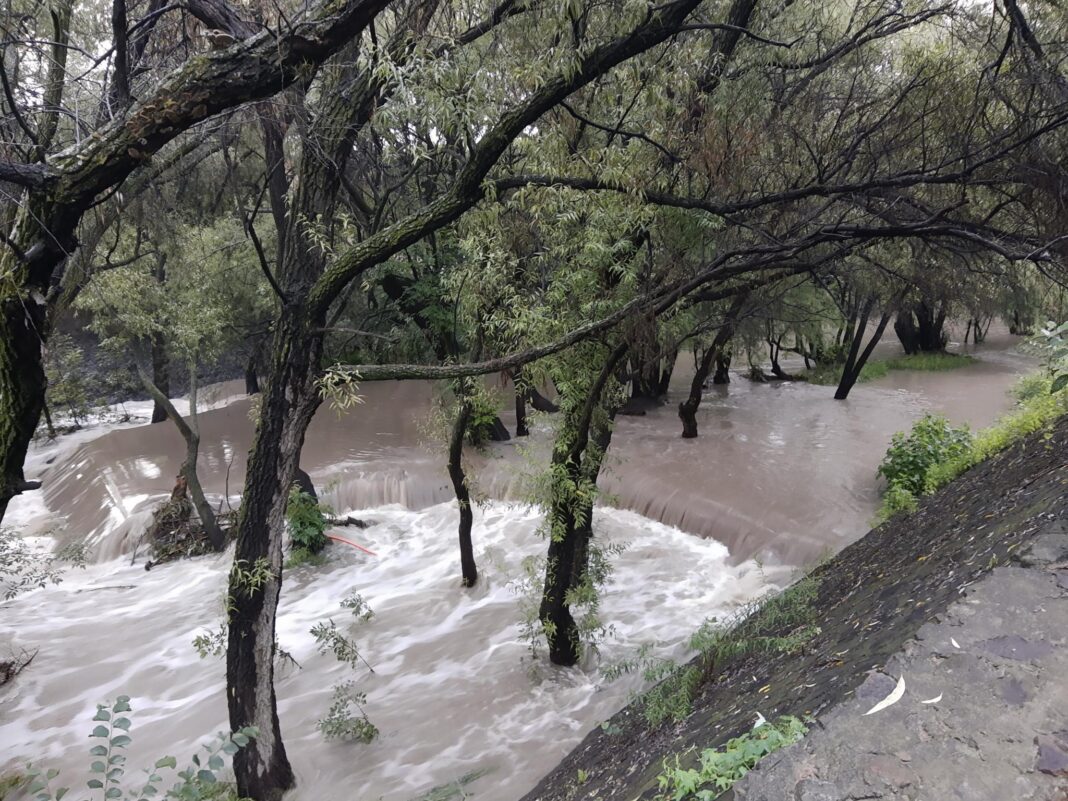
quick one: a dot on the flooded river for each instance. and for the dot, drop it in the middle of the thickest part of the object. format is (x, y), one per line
(780, 472)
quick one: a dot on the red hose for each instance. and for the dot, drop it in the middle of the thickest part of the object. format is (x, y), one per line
(350, 542)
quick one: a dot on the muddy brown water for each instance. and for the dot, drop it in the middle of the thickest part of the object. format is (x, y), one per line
(780, 471)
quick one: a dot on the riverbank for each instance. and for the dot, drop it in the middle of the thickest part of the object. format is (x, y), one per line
(872, 601)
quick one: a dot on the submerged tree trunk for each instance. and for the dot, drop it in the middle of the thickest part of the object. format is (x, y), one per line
(161, 376)
(22, 388)
(290, 399)
(920, 328)
(468, 569)
(570, 513)
(190, 431)
(857, 358)
(713, 355)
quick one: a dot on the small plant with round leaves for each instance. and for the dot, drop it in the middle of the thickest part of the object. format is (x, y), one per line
(199, 781)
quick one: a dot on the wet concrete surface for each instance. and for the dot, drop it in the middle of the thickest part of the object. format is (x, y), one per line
(996, 660)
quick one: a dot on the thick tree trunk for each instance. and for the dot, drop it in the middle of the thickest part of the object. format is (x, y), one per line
(920, 328)
(570, 513)
(468, 569)
(688, 408)
(290, 399)
(723, 368)
(22, 388)
(160, 376)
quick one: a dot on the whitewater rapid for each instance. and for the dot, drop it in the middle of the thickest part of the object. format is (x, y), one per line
(454, 688)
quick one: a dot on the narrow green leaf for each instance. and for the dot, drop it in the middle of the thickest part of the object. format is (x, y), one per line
(167, 762)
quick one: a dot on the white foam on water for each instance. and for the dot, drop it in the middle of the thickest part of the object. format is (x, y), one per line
(453, 689)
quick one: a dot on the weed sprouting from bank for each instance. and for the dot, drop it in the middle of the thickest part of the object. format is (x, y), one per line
(718, 769)
(778, 623)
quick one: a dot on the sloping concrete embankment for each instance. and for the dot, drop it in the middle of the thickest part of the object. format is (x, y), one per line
(984, 563)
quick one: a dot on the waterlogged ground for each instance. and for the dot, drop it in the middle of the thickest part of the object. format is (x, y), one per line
(781, 471)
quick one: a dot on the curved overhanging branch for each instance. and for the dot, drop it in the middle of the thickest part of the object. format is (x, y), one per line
(470, 187)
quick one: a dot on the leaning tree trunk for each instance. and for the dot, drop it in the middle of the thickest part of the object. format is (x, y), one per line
(190, 431)
(857, 358)
(290, 399)
(714, 355)
(688, 408)
(468, 569)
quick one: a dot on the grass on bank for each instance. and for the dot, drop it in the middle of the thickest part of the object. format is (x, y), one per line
(829, 374)
(1037, 408)
(755, 628)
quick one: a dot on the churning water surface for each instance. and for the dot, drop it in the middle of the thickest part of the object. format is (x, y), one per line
(780, 471)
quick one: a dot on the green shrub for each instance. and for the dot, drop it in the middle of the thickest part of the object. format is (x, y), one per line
(1034, 414)
(1031, 386)
(483, 418)
(931, 441)
(307, 523)
(719, 770)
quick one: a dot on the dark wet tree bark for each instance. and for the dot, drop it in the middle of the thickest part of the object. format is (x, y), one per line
(919, 327)
(711, 356)
(288, 404)
(723, 368)
(252, 378)
(468, 569)
(855, 357)
(22, 390)
(521, 428)
(570, 513)
(161, 375)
